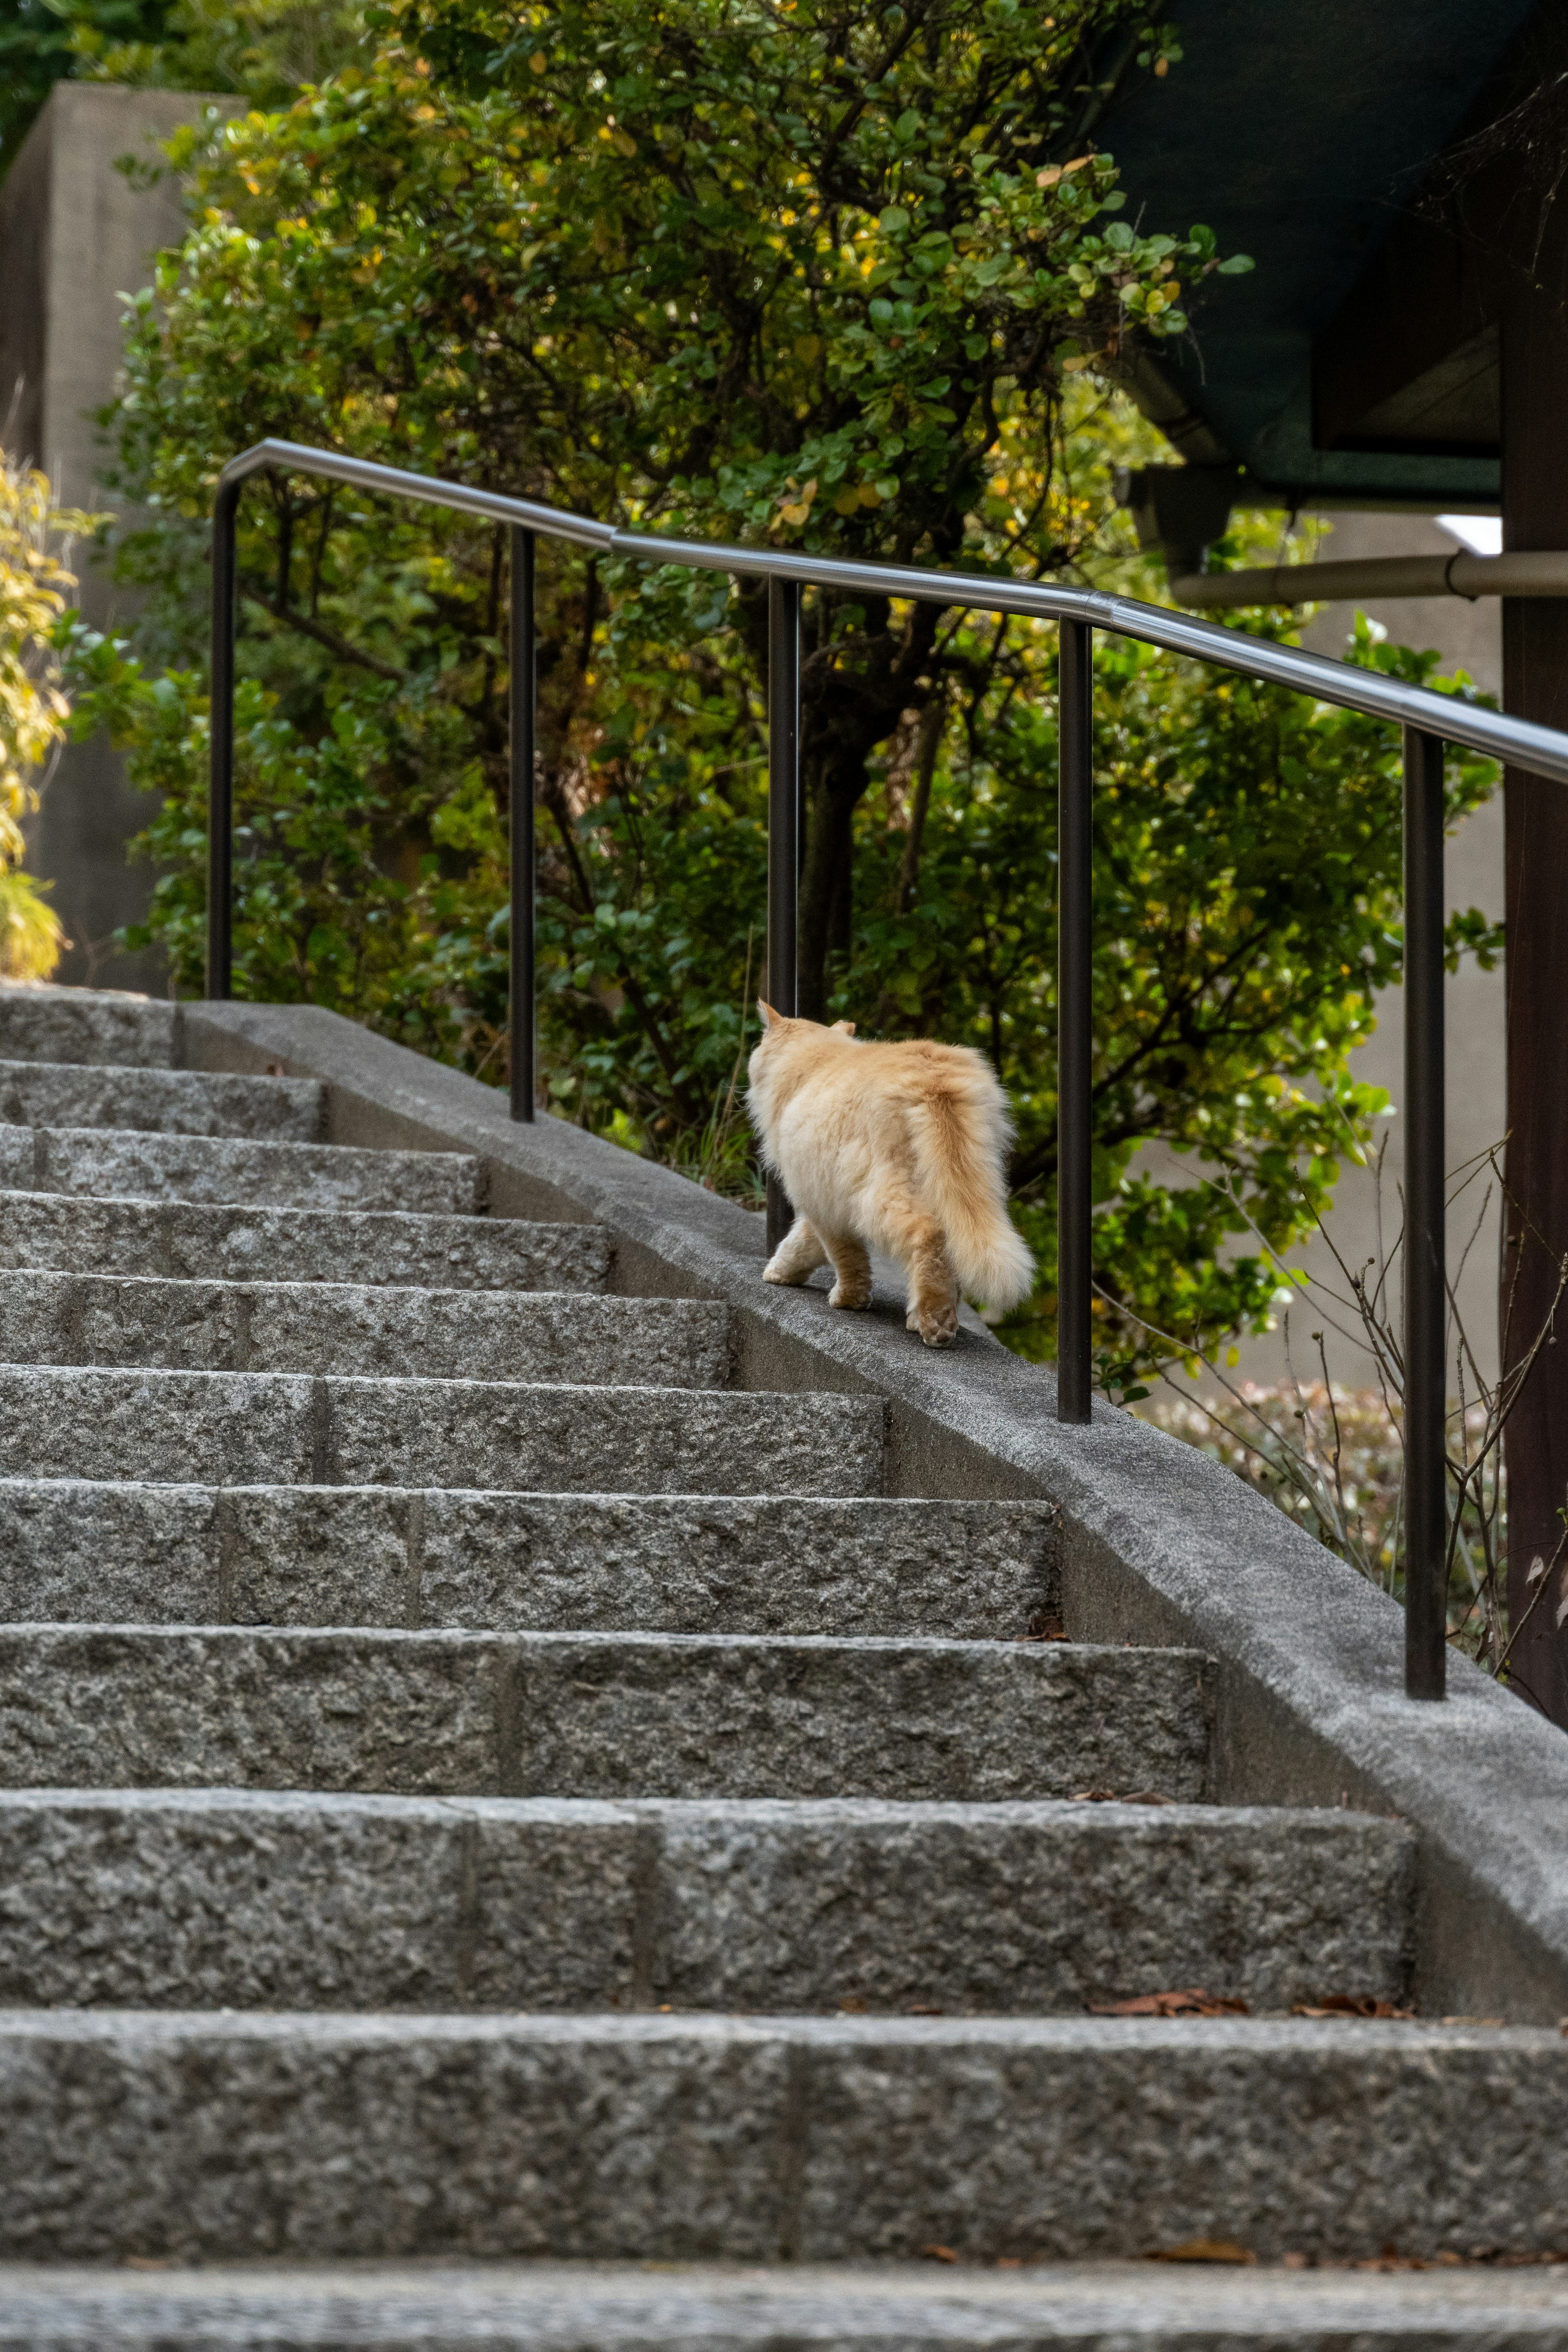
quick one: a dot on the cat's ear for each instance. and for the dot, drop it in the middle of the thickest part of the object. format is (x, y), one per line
(766, 1010)
(844, 1028)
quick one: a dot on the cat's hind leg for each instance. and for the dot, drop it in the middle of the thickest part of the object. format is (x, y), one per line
(852, 1266)
(799, 1255)
(933, 1285)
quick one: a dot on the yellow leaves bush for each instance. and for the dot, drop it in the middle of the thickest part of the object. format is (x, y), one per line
(34, 712)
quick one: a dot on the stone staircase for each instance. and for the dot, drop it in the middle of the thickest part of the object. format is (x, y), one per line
(476, 1783)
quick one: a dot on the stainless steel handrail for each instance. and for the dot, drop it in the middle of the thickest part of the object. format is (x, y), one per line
(1428, 720)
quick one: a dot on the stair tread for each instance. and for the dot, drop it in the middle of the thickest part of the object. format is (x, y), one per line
(681, 2136)
(320, 1429)
(65, 1095)
(74, 1549)
(439, 1710)
(87, 1234)
(142, 1164)
(256, 1899)
(156, 1322)
(919, 2306)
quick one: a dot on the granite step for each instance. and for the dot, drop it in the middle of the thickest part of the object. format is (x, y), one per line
(440, 1713)
(139, 1554)
(919, 2306)
(162, 1102)
(192, 1242)
(223, 1898)
(123, 1162)
(99, 1028)
(750, 2140)
(363, 1330)
(263, 1429)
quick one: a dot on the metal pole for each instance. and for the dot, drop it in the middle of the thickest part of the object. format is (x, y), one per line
(784, 833)
(1425, 1297)
(524, 712)
(220, 737)
(1075, 1019)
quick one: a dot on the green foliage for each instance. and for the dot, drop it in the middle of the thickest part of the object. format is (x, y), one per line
(262, 48)
(849, 284)
(37, 48)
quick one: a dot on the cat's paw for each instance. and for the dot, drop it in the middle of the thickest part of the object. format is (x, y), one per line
(941, 1329)
(854, 1299)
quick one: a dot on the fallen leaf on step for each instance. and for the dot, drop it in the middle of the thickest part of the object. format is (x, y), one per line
(1344, 2004)
(939, 2253)
(1203, 2250)
(1114, 1797)
(148, 2263)
(1191, 2001)
(924, 2009)
(851, 2006)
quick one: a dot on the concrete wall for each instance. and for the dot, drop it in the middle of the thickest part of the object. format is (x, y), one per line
(75, 235)
(1467, 636)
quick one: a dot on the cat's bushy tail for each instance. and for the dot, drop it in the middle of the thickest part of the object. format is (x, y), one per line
(961, 1130)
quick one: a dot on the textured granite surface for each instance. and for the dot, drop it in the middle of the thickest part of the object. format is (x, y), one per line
(653, 1563)
(270, 1428)
(363, 1329)
(673, 2138)
(223, 1898)
(194, 1242)
(99, 1026)
(594, 1715)
(122, 1160)
(165, 1102)
(921, 2306)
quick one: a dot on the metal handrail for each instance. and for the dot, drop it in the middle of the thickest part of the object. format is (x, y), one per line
(1428, 720)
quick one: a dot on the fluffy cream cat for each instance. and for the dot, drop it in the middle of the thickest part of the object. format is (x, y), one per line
(899, 1146)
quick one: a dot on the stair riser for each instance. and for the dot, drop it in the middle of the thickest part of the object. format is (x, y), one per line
(186, 1242)
(650, 2139)
(167, 1102)
(536, 1563)
(117, 1161)
(555, 1714)
(91, 1030)
(281, 1429)
(263, 1903)
(368, 1332)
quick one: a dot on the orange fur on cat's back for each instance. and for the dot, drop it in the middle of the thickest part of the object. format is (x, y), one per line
(901, 1148)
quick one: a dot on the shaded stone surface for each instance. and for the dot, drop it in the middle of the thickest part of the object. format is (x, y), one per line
(268, 1428)
(191, 1241)
(94, 1026)
(388, 1556)
(691, 2138)
(361, 1329)
(153, 1167)
(167, 1102)
(605, 1715)
(220, 1898)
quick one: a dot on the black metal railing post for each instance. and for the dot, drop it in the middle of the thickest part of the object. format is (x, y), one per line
(524, 694)
(1075, 1018)
(220, 748)
(1425, 1283)
(784, 832)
